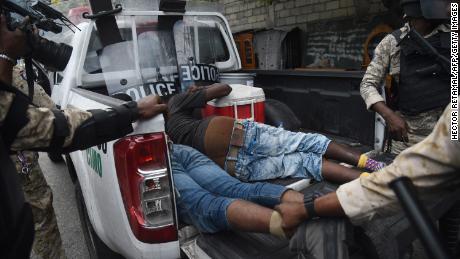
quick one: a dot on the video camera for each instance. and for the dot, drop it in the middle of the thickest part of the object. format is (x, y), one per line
(49, 53)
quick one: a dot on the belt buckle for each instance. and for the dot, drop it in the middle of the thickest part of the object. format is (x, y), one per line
(239, 124)
(237, 138)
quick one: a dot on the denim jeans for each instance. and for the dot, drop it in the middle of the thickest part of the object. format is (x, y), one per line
(205, 190)
(269, 153)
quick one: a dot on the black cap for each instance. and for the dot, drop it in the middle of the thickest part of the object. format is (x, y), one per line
(412, 8)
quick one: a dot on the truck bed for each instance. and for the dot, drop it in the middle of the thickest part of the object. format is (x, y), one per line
(326, 102)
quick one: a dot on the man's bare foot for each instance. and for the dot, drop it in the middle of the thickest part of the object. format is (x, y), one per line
(292, 196)
(293, 214)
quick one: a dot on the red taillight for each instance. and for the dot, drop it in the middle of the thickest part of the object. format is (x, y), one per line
(145, 184)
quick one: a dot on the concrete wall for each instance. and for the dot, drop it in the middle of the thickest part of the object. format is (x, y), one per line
(284, 14)
(334, 30)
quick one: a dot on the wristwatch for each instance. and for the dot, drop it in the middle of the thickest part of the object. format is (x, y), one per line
(309, 203)
(134, 110)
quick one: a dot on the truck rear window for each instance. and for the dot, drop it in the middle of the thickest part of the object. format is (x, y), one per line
(154, 53)
(92, 64)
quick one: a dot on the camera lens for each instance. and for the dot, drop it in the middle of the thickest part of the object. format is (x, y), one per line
(51, 54)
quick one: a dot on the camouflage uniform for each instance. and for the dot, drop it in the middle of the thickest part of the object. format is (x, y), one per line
(433, 166)
(47, 242)
(386, 60)
(38, 133)
(39, 130)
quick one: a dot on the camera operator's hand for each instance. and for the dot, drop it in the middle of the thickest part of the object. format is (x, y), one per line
(150, 106)
(12, 43)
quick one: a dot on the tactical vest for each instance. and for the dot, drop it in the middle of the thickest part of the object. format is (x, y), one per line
(423, 86)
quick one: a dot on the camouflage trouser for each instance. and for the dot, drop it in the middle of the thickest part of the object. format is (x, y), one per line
(420, 126)
(47, 242)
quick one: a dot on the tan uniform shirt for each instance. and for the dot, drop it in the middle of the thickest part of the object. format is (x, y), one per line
(386, 60)
(433, 165)
(39, 131)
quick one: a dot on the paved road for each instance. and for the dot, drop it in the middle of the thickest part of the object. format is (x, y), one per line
(65, 208)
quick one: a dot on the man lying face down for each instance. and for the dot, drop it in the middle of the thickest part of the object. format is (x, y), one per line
(252, 151)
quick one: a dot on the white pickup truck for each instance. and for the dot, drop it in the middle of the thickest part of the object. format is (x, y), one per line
(124, 188)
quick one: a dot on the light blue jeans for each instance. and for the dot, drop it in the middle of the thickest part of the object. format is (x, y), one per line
(269, 153)
(204, 190)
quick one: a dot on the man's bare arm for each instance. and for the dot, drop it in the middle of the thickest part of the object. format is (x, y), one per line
(217, 91)
(329, 205)
(325, 206)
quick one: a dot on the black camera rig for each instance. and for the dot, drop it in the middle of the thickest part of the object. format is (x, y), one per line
(53, 55)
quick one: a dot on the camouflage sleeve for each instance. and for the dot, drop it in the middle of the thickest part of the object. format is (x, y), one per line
(377, 71)
(39, 131)
(42, 99)
(432, 165)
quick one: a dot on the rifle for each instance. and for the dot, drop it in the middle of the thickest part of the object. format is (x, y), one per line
(443, 64)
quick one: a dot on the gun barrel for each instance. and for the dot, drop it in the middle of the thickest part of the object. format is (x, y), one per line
(42, 22)
(47, 10)
(12, 7)
(424, 44)
(48, 25)
(418, 216)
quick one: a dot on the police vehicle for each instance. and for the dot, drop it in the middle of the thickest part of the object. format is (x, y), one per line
(124, 188)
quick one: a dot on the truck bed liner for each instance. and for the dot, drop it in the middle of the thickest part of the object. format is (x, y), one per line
(237, 245)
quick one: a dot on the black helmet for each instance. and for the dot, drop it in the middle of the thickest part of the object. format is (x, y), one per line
(429, 9)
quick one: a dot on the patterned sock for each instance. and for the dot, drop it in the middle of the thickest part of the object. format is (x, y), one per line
(370, 164)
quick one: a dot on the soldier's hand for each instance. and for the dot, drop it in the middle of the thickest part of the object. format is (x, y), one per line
(398, 127)
(150, 106)
(12, 43)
